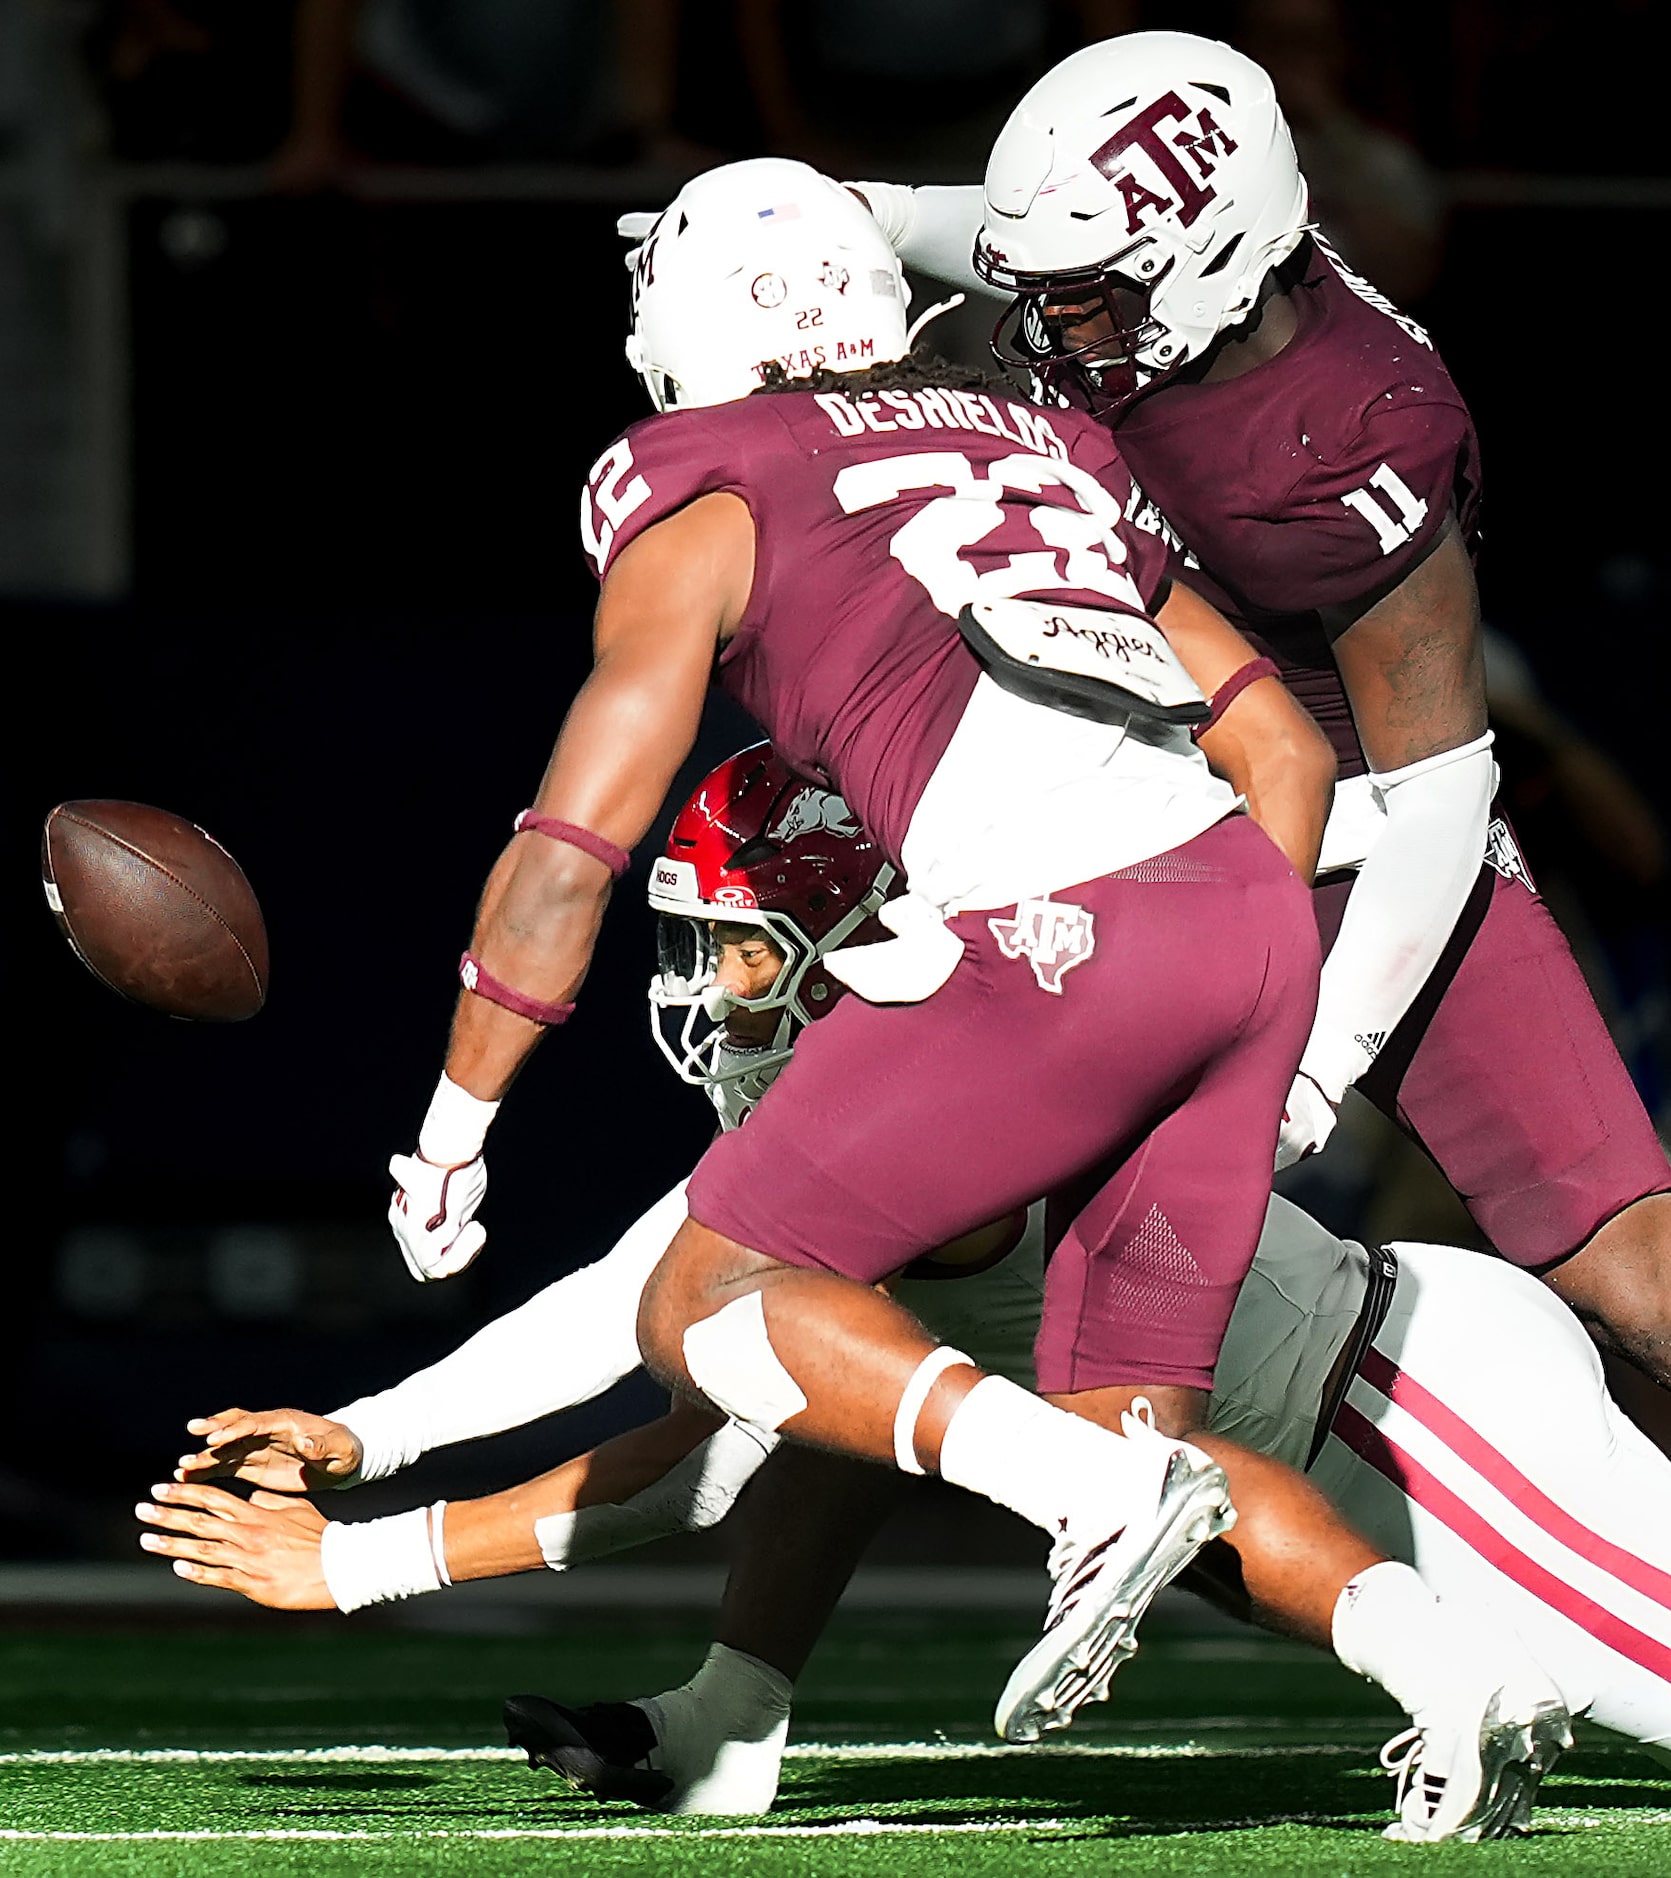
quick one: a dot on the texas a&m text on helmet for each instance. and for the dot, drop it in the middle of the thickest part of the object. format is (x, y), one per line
(759, 262)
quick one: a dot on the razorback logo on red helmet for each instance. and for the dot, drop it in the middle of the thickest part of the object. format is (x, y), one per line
(1205, 146)
(808, 811)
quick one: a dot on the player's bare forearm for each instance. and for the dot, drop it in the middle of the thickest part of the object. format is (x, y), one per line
(1412, 663)
(1269, 749)
(1208, 646)
(494, 1536)
(1266, 746)
(268, 1547)
(668, 600)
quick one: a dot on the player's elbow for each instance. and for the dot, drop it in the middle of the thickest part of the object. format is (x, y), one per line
(1296, 749)
(1278, 759)
(1309, 753)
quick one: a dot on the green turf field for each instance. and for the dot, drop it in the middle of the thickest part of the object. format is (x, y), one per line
(313, 1751)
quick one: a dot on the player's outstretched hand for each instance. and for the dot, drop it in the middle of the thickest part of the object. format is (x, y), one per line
(433, 1214)
(284, 1450)
(266, 1547)
(1307, 1121)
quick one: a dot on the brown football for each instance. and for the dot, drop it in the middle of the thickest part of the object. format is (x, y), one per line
(156, 908)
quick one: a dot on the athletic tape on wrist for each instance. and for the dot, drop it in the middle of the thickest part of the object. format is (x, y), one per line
(378, 1560)
(455, 1126)
(474, 977)
(1233, 687)
(928, 1373)
(438, 1541)
(600, 847)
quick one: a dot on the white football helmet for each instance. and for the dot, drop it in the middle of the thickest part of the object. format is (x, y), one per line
(759, 261)
(1150, 178)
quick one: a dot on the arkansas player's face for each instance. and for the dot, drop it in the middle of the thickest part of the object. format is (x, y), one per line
(747, 967)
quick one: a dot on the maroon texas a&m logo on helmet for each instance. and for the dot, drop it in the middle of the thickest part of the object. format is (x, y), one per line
(1204, 146)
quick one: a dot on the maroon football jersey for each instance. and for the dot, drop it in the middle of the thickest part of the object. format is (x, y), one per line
(1318, 477)
(876, 521)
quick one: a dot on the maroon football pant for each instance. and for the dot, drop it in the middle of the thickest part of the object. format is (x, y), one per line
(1167, 1053)
(1504, 1072)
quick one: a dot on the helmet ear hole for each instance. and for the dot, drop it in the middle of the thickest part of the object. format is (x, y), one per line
(1221, 260)
(753, 852)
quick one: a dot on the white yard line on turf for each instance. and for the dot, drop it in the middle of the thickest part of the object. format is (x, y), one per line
(849, 1829)
(841, 1829)
(802, 1751)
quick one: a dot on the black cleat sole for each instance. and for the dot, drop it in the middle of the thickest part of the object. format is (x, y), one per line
(553, 1737)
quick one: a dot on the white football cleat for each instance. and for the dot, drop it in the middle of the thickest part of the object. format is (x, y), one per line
(1103, 1588)
(1473, 1773)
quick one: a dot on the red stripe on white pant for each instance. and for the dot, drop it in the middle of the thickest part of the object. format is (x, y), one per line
(1373, 1445)
(1472, 1447)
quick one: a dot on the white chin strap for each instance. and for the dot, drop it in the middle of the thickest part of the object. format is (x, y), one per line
(931, 313)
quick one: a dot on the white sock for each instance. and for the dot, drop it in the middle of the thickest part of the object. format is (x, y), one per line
(721, 1734)
(1390, 1627)
(1065, 1474)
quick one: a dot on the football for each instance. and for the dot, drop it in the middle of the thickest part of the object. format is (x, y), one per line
(156, 908)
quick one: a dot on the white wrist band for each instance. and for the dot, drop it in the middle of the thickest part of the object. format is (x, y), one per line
(456, 1125)
(438, 1541)
(379, 1560)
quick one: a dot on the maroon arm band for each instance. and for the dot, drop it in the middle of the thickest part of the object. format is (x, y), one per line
(617, 860)
(1234, 686)
(474, 978)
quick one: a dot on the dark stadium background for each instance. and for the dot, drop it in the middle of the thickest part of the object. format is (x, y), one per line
(349, 607)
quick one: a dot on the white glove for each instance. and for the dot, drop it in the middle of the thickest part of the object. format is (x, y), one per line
(433, 1214)
(1307, 1122)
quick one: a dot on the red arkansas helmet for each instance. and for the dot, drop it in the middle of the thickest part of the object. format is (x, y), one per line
(755, 846)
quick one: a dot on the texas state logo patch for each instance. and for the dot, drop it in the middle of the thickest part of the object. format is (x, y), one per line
(1051, 935)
